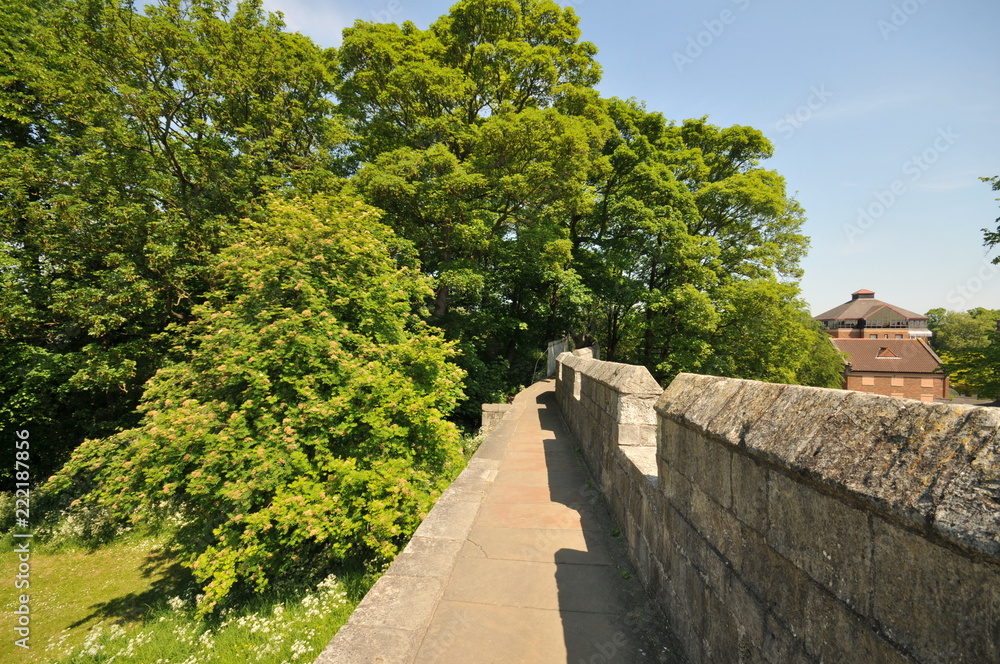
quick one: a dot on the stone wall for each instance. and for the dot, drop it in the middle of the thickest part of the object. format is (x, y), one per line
(780, 523)
(492, 414)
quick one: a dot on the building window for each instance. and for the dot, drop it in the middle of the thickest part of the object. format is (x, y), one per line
(898, 336)
(897, 382)
(926, 382)
(873, 336)
(927, 397)
(868, 380)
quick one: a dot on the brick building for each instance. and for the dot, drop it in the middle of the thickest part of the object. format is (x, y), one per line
(887, 349)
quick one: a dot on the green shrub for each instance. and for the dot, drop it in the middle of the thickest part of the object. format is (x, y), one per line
(304, 421)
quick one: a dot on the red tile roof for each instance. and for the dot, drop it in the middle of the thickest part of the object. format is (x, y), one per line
(889, 355)
(865, 308)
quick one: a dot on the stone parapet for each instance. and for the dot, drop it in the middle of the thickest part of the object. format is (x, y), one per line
(611, 406)
(778, 523)
(492, 414)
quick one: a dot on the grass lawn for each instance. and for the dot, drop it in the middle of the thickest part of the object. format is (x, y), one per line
(129, 600)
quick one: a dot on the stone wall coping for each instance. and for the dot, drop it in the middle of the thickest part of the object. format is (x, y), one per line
(622, 378)
(930, 466)
(394, 615)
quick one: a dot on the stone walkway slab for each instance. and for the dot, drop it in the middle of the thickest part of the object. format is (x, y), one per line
(518, 562)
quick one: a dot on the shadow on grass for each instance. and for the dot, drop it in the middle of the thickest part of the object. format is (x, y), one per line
(173, 581)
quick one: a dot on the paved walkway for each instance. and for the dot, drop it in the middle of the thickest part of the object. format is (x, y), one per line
(537, 574)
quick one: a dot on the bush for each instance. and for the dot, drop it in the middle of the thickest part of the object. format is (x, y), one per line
(304, 421)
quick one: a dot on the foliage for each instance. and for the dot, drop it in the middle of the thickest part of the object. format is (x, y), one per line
(960, 331)
(977, 370)
(690, 250)
(476, 136)
(131, 143)
(542, 209)
(992, 238)
(764, 334)
(303, 422)
(966, 341)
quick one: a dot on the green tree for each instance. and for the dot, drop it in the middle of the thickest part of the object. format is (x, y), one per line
(765, 334)
(691, 250)
(304, 419)
(977, 370)
(650, 275)
(959, 331)
(992, 238)
(476, 137)
(966, 341)
(130, 144)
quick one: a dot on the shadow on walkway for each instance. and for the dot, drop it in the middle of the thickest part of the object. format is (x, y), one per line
(606, 616)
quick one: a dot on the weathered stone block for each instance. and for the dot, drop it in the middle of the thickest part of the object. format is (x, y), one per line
(969, 509)
(721, 632)
(637, 408)
(633, 435)
(711, 470)
(941, 606)
(781, 646)
(684, 450)
(824, 537)
(677, 489)
(750, 491)
(779, 583)
(404, 602)
(748, 611)
(491, 414)
(717, 525)
(832, 634)
(358, 644)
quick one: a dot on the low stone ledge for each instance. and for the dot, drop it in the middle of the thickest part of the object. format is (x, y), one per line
(389, 623)
(492, 414)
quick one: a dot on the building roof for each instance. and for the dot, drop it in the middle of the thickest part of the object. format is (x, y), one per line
(889, 355)
(863, 305)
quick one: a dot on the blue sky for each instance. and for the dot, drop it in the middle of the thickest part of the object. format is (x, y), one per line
(884, 114)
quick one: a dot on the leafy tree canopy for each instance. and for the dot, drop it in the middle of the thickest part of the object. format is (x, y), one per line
(130, 145)
(190, 285)
(992, 238)
(968, 345)
(305, 419)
